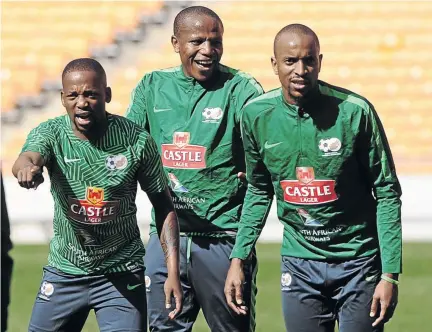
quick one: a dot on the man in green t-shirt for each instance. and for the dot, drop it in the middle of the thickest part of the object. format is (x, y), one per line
(322, 152)
(94, 160)
(193, 112)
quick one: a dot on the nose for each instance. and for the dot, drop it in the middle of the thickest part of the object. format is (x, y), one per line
(300, 68)
(207, 48)
(82, 102)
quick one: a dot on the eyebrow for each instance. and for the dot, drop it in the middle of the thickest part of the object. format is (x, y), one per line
(74, 90)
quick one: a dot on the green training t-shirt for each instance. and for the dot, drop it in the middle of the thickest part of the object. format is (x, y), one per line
(94, 186)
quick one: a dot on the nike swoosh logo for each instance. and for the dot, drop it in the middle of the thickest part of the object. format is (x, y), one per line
(269, 146)
(67, 160)
(132, 287)
(157, 110)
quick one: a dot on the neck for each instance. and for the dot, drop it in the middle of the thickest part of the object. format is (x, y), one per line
(209, 81)
(99, 130)
(301, 101)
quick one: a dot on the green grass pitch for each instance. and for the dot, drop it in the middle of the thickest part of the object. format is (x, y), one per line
(415, 298)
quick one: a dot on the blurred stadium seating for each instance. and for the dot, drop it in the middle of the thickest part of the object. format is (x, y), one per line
(381, 50)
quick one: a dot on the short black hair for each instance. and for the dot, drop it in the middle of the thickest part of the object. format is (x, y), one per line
(193, 11)
(85, 64)
(298, 29)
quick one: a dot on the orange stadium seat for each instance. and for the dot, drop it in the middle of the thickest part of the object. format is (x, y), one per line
(38, 38)
(36, 30)
(389, 64)
(7, 98)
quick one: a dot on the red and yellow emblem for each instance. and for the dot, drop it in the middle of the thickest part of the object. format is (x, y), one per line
(94, 195)
(305, 174)
(181, 139)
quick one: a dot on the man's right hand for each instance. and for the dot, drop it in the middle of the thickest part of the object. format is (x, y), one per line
(234, 287)
(30, 176)
(173, 288)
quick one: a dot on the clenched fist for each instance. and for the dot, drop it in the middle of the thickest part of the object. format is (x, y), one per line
(30, 176)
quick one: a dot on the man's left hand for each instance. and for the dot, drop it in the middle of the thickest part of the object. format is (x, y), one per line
(385, 299)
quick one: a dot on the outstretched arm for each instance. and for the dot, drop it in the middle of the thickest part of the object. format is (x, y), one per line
(36, 153)
(28, 169)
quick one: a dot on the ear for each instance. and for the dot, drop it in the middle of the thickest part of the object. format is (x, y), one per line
(320, 62)
(175, 43)
(108, 94)
(274, 65)
(61, 97)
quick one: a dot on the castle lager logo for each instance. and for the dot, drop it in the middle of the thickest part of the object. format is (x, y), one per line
(305, 174)
(181, 154)
(307, 190)
(94, 195)
(181, 139)
(93, 209)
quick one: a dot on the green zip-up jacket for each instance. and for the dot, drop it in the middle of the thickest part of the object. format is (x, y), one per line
(197, 130)
(330, 167)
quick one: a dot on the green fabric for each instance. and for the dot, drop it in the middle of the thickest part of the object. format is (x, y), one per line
(94, 188)
(197, 129)
(332, 173)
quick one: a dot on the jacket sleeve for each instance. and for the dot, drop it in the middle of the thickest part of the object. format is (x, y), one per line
(381, 170)
(259, 194)
(247, 90)
(137, 109)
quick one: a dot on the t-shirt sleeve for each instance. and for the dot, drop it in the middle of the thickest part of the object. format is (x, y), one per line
(151, 174)
(137, 110)
(40, 139)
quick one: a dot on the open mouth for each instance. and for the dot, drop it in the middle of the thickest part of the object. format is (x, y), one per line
(299, 85)
(83, 119)
(205, 64)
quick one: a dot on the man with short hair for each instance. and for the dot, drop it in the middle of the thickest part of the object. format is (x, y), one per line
(94, 160)
(193, 112)
(322, 151)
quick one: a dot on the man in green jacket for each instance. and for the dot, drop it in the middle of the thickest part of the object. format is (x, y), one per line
(322, 151)
(193, 112)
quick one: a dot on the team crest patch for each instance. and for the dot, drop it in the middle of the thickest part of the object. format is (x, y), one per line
(114, 163)
(147, 283)
(46, 290)
(212, 114)
(286, 280)
(330, 146)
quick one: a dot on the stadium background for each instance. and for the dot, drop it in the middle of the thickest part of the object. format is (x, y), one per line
(382, 50)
